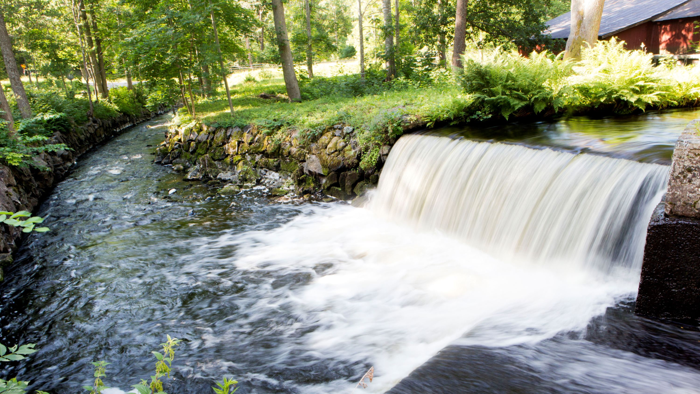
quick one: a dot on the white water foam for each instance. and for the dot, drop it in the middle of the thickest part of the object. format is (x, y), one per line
(463, 242)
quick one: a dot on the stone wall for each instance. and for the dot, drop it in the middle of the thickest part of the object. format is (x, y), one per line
(239, 157)
(669, 287)
(23, 188)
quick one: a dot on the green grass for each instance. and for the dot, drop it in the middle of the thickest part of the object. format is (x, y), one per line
(376, 117)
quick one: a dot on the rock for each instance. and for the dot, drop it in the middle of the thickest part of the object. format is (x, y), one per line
(228, 176)
(337, 193)
(324, 140)
(229, 190)
(172, 191)
(669, 287)
(348, 130)
(384, 152)
(683, 195)
(5, 259)
(289, 166)
(333, 145)
(220, 137)
(246, 174)
(361, 188)
(178, 168)
(351, 178)
(208, 167)
(278, 192)
(330, 180)
(194, 174)
(313, 166)
(202, 137)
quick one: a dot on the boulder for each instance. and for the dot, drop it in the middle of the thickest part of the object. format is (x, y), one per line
(683, 195)
(313, 166)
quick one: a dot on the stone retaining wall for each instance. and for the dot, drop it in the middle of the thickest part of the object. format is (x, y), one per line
(239, 157)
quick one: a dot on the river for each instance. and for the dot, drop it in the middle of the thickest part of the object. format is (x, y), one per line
(305, 298)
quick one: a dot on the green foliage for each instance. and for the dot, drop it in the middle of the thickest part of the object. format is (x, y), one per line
(505, 82)
(346, 52)
(44, 124)
(20, 150)
(14, 353)
(162, 93)
(100, 372)
(128, 102)
(225, 386)
(27, 225)
(163, 365)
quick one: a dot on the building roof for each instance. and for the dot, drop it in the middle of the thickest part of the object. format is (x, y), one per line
(688, 10)
(619, 15)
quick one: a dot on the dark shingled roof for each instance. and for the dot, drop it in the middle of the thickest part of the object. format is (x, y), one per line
(688, 10)
(618, 15)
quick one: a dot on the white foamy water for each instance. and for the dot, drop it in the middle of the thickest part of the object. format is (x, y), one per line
(463, 242)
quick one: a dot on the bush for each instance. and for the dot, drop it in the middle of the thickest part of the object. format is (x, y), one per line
(505, 82)
(608, 75)
(347, 52)
(127, 101)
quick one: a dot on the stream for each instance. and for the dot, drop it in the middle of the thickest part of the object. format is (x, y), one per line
(305, 298)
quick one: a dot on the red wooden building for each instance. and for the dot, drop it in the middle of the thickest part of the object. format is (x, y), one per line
(665, 27)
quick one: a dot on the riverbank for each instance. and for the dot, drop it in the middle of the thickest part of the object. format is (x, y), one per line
(22, 188)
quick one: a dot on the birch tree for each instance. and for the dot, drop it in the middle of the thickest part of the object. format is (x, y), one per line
(585, 24)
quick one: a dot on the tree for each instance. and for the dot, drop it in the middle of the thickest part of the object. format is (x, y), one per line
(362, 40)
(585, 24)
(309, 49)
(221, 59)
(290, 78)
(6, 111)
(388, 40)
(460, 41)
(12, 71)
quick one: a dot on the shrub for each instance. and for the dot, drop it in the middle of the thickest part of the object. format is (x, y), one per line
(609, 75)
(126, 101)
(347, 52)
(505, 82)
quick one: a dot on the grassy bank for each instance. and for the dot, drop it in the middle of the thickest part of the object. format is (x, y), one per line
(495, 85)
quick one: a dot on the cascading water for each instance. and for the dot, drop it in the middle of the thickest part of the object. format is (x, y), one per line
(517, 202)
(520, 259)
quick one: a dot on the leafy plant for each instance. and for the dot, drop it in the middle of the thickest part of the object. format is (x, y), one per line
(225, 386)
(163, 365)
(100, 371)
(14, 353)
(27, 225)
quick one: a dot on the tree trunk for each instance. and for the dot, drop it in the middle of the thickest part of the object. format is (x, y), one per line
(7, 112)
(206, 78)
(182, 92)
(362, 40)
(398, 27)
(388, 40)
(12, 71)
(76, 19)
(100, 56)
(585, 24)
(309, 49)
(290, 78)
(129, 83)
(262, 29)
(91, 48)
(247, 49)
(221, 61)
(460, 44)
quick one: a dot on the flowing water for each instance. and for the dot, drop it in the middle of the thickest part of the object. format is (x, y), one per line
(499, 268)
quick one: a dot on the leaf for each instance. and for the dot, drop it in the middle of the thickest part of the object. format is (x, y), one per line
(26, 349)
(13, 222)
(21, 214)
(35, 219)
(28, 229)
(3, 349)
(158, 356)
(41, 229)
(88, 388)
(14, 357)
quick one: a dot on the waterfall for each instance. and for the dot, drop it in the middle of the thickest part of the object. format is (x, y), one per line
(515, 202)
